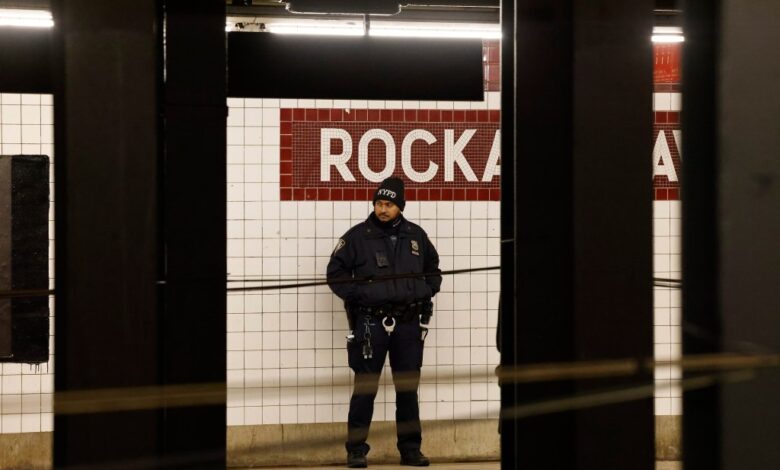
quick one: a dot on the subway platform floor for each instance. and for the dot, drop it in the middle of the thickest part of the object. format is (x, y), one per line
(437, 466)
(456, 466)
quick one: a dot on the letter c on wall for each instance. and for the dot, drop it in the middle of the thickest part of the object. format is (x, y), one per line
(406, 156)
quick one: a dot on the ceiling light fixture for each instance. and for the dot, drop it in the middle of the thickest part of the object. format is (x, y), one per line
(26, 18)
(454, 32)
(387, 29)
(667, 34)
(313, 29)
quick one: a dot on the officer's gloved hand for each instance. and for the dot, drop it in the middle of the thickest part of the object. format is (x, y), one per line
(427, 312)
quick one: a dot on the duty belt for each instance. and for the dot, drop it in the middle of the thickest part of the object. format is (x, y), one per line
(404, 312)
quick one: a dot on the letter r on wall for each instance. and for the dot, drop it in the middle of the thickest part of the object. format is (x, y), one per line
(327, 159)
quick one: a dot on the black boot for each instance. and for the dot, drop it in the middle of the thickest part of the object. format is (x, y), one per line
(414, 458)
(356, 459)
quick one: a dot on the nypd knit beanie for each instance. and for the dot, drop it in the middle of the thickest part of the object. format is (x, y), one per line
(391, 189)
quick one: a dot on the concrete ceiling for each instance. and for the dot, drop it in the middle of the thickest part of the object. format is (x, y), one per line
(667, 12)
(448, 11)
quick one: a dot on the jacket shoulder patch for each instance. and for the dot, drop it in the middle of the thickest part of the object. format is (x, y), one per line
(341, 243)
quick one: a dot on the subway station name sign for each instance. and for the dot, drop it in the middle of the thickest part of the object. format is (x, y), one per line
(341, 154)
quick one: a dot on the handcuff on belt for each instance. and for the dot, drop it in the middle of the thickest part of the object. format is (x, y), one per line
(388, 323)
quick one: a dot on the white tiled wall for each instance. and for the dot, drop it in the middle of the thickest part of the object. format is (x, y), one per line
(287, 361)
(667, 239)
(27, 127)
(286, 358)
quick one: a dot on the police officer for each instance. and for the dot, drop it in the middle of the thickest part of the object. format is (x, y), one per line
(386, 315)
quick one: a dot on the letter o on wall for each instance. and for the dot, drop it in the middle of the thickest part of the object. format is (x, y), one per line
(368, 173)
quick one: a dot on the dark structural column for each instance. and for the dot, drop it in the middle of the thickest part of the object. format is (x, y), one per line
(507, 302)
(131, 316)
(731, 228)
(106, 223)
(194, 331)
(582, 287)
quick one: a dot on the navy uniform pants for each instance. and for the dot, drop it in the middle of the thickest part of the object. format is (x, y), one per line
(405, 346)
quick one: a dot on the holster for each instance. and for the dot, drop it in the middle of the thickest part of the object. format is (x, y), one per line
(350, 315)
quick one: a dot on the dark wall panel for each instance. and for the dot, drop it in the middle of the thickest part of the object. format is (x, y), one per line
(270, 65)
(267, 65)
(5, 255)
(24, 257)
(25, 60)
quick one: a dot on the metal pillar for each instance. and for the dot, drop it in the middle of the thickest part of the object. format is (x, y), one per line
(581, 225)
(731, 224)
(130, 313)
(194, 227)
(107, 132)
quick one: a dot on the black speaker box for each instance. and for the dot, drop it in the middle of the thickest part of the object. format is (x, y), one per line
(24, 257)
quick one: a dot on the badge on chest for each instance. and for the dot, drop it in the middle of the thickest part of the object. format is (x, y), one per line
(415, 248)
(381, 259)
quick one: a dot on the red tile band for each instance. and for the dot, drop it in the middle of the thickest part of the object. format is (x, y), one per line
(301, 142)
(491, 61)
(667, 77)
(453, 155)
(666, 68)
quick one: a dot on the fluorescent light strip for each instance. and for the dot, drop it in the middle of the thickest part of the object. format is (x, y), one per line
(26, 18)
(383, 31)
(315, 30)
(667, 30)
(667, 38)
(436, 33)
(667, 34)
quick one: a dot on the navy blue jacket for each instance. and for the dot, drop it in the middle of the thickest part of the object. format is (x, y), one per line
(366, 251)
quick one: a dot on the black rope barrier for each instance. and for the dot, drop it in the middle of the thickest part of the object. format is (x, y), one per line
(299, 283)
(364, 280)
